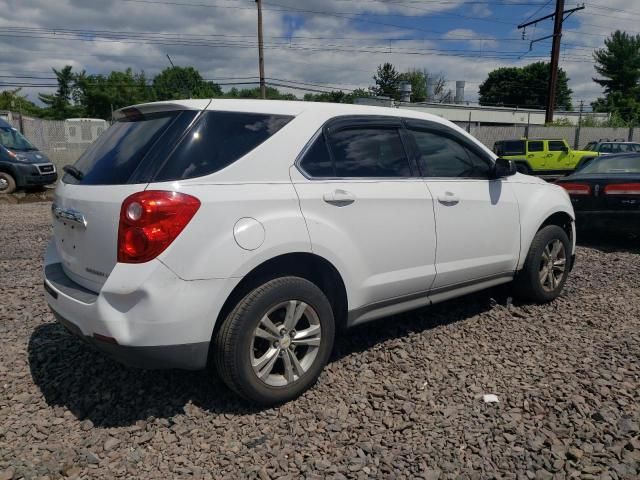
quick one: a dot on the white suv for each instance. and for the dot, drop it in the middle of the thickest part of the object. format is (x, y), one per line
(245, 233)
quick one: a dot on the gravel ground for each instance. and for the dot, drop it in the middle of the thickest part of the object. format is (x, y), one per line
(402, 398)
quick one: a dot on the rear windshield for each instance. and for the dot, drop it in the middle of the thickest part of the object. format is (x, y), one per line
(613, 164)
(509, 147)
(164, 147)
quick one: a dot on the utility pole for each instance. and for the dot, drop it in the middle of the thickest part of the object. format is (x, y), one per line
(263, 88)
(555, 57)
(558, 19)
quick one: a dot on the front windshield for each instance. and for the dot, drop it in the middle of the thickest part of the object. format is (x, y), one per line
(13, 140)
(590, 146)
(613, 164)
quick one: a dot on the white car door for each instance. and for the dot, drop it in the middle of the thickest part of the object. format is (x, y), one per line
(367, 210)
(477, 218)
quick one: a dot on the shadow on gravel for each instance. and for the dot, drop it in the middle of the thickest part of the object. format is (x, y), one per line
(609, 242)
(72, 375)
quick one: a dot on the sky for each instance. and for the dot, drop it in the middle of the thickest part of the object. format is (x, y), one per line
(318, 44)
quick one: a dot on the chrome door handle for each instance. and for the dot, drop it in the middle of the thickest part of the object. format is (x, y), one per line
(339, 198)
(448, 199)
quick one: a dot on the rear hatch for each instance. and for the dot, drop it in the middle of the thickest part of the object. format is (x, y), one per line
(86, 208)
(149, 144)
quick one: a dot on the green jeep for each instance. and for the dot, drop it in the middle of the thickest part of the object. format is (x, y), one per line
(541, 157)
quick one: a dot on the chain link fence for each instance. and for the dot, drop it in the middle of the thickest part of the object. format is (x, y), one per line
(577, 137)
(63, 141)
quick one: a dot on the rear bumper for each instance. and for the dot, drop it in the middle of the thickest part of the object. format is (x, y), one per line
(621, 221)
(144, 315)
(192, 356)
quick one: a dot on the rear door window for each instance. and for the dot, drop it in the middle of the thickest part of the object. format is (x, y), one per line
(535, 146)
(216, 141)
(369, 152)
(515, 147)
(317, 161)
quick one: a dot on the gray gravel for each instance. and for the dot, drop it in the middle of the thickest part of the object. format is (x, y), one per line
(402, 398)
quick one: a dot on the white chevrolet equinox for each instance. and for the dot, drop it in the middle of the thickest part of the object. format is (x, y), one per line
(246, 233)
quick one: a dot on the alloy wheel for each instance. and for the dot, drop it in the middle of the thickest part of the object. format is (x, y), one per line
(285, 343)
(552, 265)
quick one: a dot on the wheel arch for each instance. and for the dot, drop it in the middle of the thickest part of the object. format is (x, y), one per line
(309, 266)
(542, 205)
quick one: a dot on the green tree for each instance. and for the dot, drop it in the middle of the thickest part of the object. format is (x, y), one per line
(60, 105)
(524, 87)
(387, 81)
(183, 82)
(99, 94)
(14, 101)
(618, 64)
(272, 93)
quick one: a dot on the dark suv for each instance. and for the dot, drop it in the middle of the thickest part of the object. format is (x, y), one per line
(21, 164)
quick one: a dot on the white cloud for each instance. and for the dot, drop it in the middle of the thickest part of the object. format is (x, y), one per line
(328, 57)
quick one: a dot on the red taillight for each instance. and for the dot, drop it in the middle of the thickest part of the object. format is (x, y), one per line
(150, 221)
(622, 189)
(576, 188)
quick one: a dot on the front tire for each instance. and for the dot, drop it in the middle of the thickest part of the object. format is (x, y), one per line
(7, 183)
(276, 341)
(546, 267)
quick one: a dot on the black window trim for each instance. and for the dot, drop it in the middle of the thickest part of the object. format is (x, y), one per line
(351, 122)
(451, 133)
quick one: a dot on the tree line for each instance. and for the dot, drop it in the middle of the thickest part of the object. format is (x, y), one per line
(96, 96)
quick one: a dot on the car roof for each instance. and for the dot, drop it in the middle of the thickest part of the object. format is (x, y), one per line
(283, 107)
(4, 124)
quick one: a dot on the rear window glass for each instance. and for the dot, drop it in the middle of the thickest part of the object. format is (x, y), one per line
(114, 157)
(614, 164)
(141, 149)
(216, 141)
(513, 147)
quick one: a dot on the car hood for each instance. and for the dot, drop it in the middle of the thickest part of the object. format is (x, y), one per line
(31, 156)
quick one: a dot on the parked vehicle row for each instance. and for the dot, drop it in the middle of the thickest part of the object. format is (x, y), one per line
(248, 233)
(21, 164)
(606, 193)
(536, 156)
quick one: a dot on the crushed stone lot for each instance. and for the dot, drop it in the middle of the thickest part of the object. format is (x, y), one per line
(401, 398)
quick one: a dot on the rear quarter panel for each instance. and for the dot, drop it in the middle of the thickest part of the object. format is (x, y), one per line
(208, 248)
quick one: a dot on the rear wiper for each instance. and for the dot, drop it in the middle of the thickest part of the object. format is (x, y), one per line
(73, 171)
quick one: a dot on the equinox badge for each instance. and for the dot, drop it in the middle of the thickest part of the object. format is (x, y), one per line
(69, 215)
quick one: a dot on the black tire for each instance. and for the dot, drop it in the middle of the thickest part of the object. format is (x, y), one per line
(7, 183)
(523, 168)
(528, 283)
(234, 343)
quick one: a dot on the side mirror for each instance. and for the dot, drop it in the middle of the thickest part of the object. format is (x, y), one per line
(565, 149)
(503, 168)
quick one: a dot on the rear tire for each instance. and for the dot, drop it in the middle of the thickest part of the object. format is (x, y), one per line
(546, 267)
(7, 183)
(276, 341)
